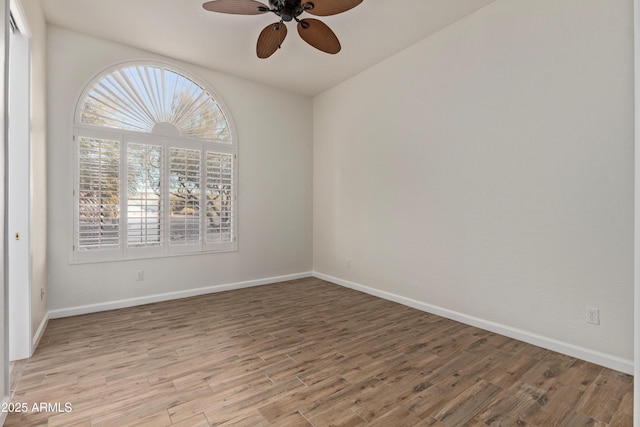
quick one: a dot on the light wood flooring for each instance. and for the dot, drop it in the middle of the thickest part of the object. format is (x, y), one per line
(303, 353)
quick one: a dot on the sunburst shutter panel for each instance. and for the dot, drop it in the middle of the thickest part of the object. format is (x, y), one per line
(138, 98)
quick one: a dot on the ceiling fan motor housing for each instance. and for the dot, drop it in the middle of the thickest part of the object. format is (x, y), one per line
(288, 10)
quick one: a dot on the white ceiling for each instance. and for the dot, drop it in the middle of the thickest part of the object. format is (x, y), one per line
(182, 29)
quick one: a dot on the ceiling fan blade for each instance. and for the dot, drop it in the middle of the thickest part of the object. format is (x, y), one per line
(318, 35)
(270, 39)
(236, 7)
(331, 7)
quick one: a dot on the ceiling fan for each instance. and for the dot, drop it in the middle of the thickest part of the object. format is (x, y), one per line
(313, 31)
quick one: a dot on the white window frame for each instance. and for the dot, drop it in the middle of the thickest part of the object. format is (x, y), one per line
(125, 137)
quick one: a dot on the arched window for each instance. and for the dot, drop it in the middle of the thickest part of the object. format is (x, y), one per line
(155, 166)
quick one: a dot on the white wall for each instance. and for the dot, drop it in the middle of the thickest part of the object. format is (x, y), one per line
(487, 172)
(275, 183)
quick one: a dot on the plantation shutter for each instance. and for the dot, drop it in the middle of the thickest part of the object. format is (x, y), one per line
(184, 196)
(98, 194)
(219, 209)
(145, 226)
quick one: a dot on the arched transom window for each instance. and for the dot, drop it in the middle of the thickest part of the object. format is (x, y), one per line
(155, 166)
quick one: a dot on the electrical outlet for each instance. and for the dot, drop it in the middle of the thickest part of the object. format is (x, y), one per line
(140, 275)
(593, 316)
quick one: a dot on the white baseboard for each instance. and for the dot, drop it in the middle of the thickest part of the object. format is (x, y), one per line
(602, 359)
(38, 335)
(131, 302)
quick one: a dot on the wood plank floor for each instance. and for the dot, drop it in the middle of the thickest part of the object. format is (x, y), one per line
(302, 353)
